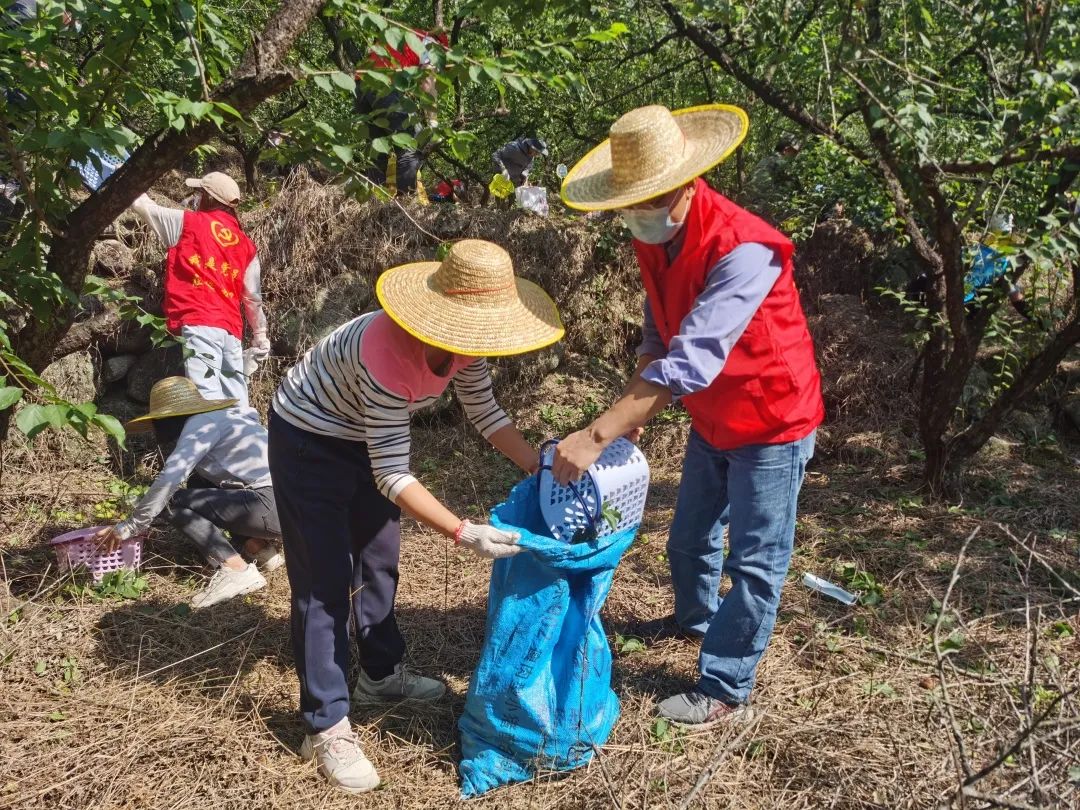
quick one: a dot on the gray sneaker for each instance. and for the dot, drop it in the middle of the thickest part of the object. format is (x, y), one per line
(401, 684)
(697, 710)
(341, 759)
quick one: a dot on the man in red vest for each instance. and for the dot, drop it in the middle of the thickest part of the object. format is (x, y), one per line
(211, 270)
(725, 334)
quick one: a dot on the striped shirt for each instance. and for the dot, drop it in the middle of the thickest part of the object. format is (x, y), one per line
(364, 380)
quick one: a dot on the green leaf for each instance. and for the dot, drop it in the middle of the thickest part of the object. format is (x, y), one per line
(56, 717)
(112, 427)
(394, 37)
(404, 140)
(9, 395)
(494, 71)
(381, 145)
(323, 83)
(344, 81)
(628, 644)
(344, 153)
(40, 667)
(31, 420)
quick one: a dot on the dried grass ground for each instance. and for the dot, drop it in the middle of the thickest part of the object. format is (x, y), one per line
(172, 709)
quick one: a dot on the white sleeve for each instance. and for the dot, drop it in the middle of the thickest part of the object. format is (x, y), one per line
(167, 223)
(252, 296)
(194, 443)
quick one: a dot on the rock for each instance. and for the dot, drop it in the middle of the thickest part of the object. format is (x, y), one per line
(976, 391)
(112, 257)
(151, 367)
(1031, 426)
(996, 449)
(73, 377)
(116, 368)
(345, 297)
(1071, 406)
(121, 406)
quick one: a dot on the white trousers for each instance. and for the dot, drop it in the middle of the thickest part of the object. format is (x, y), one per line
(215, 363)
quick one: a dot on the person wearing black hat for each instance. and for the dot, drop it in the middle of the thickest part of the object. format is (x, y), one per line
(515, 159)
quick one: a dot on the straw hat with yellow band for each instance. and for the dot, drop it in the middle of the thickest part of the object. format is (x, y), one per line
(471, 303)
(175, 396)
(652, 151)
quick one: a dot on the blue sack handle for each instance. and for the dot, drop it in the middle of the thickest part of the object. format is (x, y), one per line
(593, 519)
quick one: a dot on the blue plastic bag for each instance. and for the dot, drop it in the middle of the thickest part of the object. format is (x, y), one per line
(987, 266)
(541, 696)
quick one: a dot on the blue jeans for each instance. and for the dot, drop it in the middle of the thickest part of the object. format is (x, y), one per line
(753, 491)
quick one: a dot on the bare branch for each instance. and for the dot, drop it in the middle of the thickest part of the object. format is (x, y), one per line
(765, 90)
(1011, 158)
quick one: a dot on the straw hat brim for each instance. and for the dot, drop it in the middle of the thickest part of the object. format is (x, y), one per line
(712, 131)
(140, 424)
(409, 297)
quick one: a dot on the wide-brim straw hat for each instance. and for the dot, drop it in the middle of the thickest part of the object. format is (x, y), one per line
(471, 303)
(175, 396)
(653, 150)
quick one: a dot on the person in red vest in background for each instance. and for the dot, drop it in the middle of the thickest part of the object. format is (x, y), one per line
(725, 334)
(400, 111)
(211, 273)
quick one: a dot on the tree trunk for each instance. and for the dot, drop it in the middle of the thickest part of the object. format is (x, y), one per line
(251, 167)
(258, 77)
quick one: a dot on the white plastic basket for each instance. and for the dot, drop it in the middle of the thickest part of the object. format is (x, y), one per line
(619, 480)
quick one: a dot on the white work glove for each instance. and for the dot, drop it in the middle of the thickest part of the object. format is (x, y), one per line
(487, 541)
(251, 361)
(506, 174)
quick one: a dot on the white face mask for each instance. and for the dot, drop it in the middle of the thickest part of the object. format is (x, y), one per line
(653, 226)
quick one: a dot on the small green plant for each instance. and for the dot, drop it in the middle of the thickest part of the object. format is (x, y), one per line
(628, 644)
(1061, 629)
(668, 735)
(69, 668)
(880, 688)
(122, 497)
(869, 589)
(122, 584)
(610, 515)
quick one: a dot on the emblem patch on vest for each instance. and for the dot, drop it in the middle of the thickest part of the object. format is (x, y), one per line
(223, 234)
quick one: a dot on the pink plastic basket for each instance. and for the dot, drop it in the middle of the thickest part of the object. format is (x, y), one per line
(78, 548)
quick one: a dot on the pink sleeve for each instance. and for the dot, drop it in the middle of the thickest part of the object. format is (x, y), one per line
(392, 361)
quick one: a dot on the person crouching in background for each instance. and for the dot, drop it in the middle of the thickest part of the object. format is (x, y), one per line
(227, 446)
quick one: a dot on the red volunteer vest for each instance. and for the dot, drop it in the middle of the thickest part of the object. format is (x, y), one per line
(769, 391)
(204, 273)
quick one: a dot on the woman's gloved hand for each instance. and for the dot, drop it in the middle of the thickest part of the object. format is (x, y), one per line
(487, 541)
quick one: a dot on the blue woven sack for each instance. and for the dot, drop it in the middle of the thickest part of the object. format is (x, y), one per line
(541, 696)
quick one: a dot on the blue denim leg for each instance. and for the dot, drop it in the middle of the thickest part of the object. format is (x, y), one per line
(763, 483)
(696, 541)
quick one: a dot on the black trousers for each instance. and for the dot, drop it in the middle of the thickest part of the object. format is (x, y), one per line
(204, 514)
(342, 541)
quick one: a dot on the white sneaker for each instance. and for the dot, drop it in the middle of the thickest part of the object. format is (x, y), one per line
(268, 558)
(401, 684)
(226, 583)
(341, 759)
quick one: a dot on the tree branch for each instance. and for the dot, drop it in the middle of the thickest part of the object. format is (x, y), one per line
(258, 77)
(763, 89)
(1070, 152)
